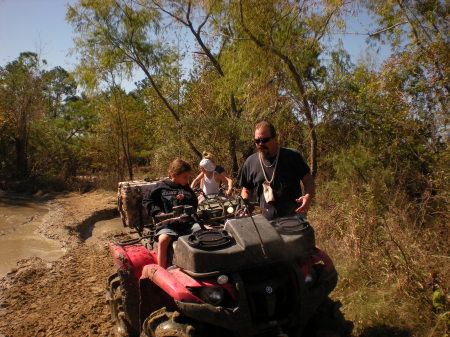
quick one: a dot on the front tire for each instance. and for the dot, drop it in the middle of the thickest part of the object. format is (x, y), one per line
(115, 299)
(164, 323)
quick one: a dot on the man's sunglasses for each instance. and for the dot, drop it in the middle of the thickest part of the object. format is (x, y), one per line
(262, 140)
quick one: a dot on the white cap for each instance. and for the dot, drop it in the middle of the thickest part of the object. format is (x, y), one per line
(207, 165)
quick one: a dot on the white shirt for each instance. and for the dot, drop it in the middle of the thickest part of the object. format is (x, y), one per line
(210, 185)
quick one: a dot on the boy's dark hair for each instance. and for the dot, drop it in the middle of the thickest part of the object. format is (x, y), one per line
(266, 124)
(179, 166)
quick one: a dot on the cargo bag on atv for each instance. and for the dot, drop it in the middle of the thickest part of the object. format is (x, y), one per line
(129, 203)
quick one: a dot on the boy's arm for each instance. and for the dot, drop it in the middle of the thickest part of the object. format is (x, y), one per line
(226, 180)
(151, 202)
(196, 180)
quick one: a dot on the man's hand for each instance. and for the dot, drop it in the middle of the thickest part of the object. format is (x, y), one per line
(305, 201)
(247, 209)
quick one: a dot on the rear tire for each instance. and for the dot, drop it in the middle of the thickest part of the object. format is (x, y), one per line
(164, 323)
(115, 299)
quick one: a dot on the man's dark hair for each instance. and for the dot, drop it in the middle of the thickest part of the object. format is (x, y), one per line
(266, 124)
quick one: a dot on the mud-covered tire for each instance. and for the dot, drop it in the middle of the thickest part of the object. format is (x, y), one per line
(328, 321)
(164, 323)
(115, 300)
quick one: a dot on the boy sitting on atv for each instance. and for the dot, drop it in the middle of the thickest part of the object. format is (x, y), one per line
(161, 199)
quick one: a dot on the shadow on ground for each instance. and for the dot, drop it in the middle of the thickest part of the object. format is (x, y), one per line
(385, 331)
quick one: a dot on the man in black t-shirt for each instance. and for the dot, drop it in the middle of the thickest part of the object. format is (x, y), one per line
(275, 173)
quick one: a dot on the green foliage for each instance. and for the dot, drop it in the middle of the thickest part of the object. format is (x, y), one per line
(424, 25)
(382, 207)
(59, 88)
(439, 300)
(114, 35)
(58, 144)
(21, 101)
(120, 136)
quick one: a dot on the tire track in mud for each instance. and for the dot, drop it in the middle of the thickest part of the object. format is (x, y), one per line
(84, 229)
(65, 297)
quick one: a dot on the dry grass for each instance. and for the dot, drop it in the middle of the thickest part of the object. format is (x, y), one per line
(391, 256)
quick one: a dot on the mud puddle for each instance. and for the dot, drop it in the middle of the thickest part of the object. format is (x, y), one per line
(19, 219)
(103, 229)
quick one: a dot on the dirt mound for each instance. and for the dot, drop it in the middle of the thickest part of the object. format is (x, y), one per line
(65, 297)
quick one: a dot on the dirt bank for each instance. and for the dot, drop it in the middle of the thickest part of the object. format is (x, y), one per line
(65, 297)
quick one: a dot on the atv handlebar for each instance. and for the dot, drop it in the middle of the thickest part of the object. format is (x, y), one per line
(184, 213)
(182, 218)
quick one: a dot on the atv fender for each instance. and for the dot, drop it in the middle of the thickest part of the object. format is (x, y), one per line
(165, 280)
(315, 294)
(318, 256)
(131, 259)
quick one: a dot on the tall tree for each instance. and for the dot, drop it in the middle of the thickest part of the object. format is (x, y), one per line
(291, 32)
(21, 100)
(196, 17)
(58, 87)
(120, 134)
(123, 35)
(420, 31)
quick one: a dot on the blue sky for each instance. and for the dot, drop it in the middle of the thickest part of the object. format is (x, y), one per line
(39, 26)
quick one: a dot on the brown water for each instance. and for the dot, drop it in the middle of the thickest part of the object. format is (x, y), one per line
(105, 228)
(19, 218)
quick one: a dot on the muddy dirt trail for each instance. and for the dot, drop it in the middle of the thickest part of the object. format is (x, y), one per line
(65, 297)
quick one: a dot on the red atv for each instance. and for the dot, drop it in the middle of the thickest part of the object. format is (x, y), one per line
(248, 277)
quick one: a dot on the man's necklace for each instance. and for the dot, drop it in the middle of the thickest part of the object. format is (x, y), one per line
(263, 162)
(274, 162)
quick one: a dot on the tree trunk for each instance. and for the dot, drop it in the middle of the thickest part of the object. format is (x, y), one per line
(232, 150)
(21, 157)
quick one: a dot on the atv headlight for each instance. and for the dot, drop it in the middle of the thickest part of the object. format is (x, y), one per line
(222, 279)
(212, 295)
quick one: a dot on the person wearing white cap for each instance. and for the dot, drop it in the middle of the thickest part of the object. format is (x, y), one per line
(210, 180)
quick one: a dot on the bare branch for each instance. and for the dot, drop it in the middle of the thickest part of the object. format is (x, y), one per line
(172, 15)
(386, 29)
(327, 21)
(188, 14)
(203, 23)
